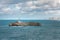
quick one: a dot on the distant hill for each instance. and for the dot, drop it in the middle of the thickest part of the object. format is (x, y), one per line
(54, 18)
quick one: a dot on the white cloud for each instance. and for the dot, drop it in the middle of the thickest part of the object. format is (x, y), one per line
(6, 10)
(48, 4)
(55, 12)
(37, 3)
(54, 18)
(29, 3)
(18, 6)
(44, 4)
(48, 8)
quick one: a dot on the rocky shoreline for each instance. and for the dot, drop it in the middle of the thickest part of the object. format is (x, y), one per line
(25, 24)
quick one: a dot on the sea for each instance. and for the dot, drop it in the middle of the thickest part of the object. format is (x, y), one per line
(49, 30)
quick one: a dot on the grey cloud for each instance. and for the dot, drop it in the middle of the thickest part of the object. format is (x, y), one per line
(12, 1)
(41, 7)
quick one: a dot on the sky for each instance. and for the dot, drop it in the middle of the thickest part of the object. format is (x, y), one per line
(30, 9)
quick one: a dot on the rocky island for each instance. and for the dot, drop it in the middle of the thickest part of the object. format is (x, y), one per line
(25, 24)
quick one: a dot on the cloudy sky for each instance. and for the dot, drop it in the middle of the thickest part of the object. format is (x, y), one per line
(30, 9)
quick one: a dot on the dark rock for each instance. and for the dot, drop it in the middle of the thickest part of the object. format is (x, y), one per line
(25, 24)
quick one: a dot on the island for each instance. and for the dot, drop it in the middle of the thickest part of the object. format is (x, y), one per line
(25, 24)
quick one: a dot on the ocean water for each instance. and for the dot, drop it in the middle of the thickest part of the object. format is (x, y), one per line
(49, 30)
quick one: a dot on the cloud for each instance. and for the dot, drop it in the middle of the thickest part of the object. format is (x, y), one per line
(38, 9)
(6, 9)
(47, 4)
(41, 4)
(19, 5)
(54, 18)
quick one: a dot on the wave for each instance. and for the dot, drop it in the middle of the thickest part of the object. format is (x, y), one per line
(3, 25)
